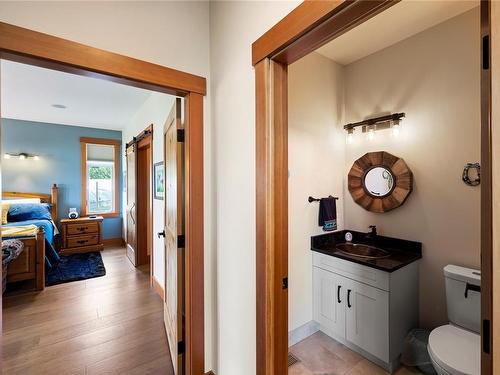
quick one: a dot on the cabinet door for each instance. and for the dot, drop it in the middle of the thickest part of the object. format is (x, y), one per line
(367, 318)
(329, 301)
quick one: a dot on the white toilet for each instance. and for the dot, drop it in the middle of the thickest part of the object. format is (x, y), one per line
(455, 348)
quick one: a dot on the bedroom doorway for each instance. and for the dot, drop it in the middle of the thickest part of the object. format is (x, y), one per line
(139, 212)
(30, 47)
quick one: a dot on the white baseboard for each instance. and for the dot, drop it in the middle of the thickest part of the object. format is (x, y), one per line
(302, 332)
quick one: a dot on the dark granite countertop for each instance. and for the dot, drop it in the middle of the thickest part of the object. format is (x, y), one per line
(401, 252)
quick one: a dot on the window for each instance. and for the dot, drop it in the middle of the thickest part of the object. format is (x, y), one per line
(100, 183)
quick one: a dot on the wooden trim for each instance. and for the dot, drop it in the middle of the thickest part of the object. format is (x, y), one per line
(490, 257)
(35, 48)
(158, 288)
(84, 141)
(307, 27)
(302, 19)
(311, 25)
(194, 258)
(339, 23)
(486, 197)
(101, 141)
(272, 217)
(44, 198)
(31, 47)
(113, 242)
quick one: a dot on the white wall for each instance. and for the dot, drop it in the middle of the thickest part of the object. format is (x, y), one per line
(234, 26)
(154, 111)
(434, 78)
(170, 33)
(316, 153)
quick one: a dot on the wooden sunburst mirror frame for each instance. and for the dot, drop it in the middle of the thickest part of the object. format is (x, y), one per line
(402, 185)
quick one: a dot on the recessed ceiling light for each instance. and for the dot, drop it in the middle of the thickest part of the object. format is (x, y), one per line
(60, 106)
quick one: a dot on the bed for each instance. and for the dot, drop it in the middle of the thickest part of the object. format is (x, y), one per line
(38, 249)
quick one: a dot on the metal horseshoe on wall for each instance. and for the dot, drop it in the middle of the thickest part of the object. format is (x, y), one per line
(466, 178)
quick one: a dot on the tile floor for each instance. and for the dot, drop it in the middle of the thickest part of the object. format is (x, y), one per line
(319, 354)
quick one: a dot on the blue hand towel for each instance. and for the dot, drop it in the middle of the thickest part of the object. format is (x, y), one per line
(328, 214)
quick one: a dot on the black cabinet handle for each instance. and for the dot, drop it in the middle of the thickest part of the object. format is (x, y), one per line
(161, 234)
(349, 298)
(338, 294)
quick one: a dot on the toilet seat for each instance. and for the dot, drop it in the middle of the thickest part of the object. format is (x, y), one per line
(455, 350)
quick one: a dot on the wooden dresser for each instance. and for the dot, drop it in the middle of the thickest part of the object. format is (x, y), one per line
(81, 235)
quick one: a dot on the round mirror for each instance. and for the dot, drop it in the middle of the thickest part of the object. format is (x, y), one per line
(378, 181)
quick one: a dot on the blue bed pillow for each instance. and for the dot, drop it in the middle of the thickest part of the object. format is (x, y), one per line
(29, 211)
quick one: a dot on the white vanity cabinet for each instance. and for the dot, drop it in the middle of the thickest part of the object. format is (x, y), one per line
(368, 310)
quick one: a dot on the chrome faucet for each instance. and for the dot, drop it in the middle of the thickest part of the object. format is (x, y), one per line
(372, 233)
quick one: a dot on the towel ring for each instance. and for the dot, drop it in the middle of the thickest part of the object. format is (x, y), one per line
(465, 175)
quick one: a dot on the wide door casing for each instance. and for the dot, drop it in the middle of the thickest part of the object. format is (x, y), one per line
(174, 231)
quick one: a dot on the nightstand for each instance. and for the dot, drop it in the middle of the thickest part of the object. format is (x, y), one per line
(81, 235)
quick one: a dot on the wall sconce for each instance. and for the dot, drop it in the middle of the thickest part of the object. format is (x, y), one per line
(21, 156)
(350, 136)
(370, 126)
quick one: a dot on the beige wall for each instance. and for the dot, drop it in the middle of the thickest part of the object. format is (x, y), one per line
(434, 78)
(170, 33)
(316, 152)
(233, 28)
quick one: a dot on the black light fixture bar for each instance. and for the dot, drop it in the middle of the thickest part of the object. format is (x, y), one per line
(376, 120)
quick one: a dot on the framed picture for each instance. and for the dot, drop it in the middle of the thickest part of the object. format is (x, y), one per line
(159, 175)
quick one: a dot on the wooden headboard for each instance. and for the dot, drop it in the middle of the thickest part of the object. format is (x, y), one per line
(44, 198)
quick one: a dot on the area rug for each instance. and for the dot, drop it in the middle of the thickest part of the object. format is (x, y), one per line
(75, 267)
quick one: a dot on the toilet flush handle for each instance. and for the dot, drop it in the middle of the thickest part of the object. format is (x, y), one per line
(474, 288)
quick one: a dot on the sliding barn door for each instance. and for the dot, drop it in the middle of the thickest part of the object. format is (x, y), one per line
(174, 236)
(131, 213)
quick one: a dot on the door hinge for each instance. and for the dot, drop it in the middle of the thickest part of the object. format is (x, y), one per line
(486, 52)
(285, 283)
(181, 241)
(486, 336)
(180, 135)
(180, 347)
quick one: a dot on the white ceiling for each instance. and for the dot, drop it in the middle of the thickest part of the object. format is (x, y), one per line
(407, 18)
(28, 93)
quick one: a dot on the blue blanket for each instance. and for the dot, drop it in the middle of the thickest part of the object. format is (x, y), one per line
(51, 256)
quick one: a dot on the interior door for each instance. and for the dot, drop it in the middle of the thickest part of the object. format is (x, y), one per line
(174, 232)
(329, 301)
(367, 324)
(131, 153)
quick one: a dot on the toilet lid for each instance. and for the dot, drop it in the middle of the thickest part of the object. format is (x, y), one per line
(456, 350)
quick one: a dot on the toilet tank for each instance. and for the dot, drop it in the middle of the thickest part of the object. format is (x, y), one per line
(463, 297)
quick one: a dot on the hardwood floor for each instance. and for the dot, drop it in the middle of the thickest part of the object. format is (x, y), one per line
(107, 325)
(320, 354)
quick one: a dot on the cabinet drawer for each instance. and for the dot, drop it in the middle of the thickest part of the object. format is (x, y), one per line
(353, 271)
(78, 241)
(81, 228)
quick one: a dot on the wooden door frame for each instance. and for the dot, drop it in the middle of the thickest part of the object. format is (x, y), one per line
(35, 48)
(147, 140)
(309, 26)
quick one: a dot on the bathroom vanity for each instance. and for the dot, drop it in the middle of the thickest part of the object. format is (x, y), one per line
(368, 302)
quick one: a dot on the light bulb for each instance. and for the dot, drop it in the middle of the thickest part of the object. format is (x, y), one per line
(350, 136)
(371, 133)
(6, 156)
(22, 157)
(396, 128)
